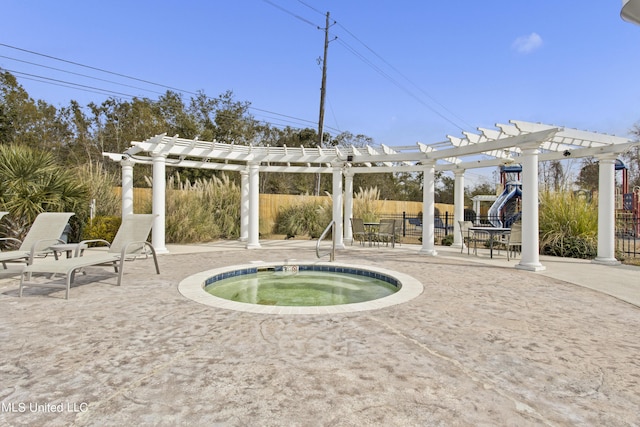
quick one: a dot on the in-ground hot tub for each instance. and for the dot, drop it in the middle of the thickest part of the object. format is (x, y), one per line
(335, 288)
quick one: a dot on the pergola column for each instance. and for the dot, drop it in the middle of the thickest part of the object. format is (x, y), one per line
(476, 207)
(127, 186)
(348, 206)
(606, 210)
(337, 205)
(158, 202)
(253, 241)
(428, 209)
(530, 259)
(458, 207)
(244, 205)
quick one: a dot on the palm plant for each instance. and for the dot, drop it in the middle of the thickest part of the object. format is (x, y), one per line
(32, 183)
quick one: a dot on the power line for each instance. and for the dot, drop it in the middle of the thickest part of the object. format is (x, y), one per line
(396, 83)
(78, 74)
(405, 77)
(306, 21)
(62, 82)
(102, 91)
(94, 68)
(311, 7)
(291, 117)
(97, 90)
(381, 72)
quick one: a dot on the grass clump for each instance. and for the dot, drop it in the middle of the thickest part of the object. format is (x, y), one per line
(365, 204)
(100, 184)
(202, 211)
(305, 218)
(568, 226)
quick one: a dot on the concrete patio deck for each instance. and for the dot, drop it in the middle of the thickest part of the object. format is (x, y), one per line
(484, 344)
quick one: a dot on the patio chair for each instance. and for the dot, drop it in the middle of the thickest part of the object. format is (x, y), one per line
(397, 236)
(129, 243)
(358, 231)
(386, 232)
(514, 242)
(465, 234)
(470, 236)
(44, 232)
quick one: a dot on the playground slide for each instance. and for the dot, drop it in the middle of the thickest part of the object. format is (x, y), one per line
(494, 211)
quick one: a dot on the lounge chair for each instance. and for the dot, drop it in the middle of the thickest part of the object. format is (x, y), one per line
(129, 243)
(44, 232)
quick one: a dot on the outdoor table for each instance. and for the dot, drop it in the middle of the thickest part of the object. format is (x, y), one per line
(69, 248)
(491, 231)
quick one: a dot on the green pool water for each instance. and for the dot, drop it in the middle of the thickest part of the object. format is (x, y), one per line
(304, 288)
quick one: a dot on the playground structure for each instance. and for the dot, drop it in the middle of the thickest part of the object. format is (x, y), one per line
(507, 208)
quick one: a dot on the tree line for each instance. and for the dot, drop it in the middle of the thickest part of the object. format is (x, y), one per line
(77, 135)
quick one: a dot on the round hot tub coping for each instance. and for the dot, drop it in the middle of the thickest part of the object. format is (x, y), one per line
(192, 288)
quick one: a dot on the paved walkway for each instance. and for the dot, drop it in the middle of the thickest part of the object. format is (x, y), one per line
(621, 281)
(484, 344)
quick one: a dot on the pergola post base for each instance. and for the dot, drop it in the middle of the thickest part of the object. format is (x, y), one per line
(428, 252)
(531, 267)
(606, 261)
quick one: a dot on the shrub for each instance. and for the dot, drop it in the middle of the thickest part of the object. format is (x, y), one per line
(102, 227)
(447, 240)
(469, 215)
(568, 226)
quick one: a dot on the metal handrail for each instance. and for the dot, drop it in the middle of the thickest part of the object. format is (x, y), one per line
(332, 253)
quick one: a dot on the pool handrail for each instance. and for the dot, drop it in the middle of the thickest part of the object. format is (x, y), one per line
(332, 253)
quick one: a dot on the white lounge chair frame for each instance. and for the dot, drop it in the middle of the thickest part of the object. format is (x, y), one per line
(44, 232)
(128, 244)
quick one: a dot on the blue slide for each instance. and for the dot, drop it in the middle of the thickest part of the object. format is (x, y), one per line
(512, 189)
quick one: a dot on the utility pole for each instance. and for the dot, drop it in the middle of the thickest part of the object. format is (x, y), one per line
(323, 87)
(323, 91)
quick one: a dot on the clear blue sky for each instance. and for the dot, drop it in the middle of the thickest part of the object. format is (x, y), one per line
(399, 72)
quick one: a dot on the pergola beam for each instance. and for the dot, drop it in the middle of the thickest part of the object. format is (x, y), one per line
(502, 145)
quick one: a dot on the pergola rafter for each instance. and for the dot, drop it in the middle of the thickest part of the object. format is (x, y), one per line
(489, 147)
(520, 142)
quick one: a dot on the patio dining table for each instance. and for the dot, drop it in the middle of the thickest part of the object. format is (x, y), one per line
(491, 231)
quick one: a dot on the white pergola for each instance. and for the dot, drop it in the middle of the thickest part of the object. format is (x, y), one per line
(517, 142)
